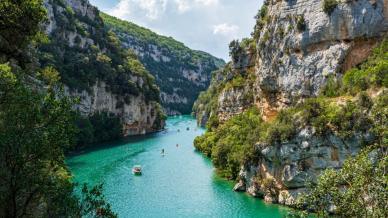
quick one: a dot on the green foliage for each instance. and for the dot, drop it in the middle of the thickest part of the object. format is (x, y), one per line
(236, 82)
(19, 21)
(356, 190)
(265, 38)
(261, 20)
(232, 145)
(329, 6)
(333, 87)
(300, 23)
(98, 128)
(35, 125)
(379, 115)
(168, 75)
(282, 129)
(35, 128)
(280, 32)
(94, 204)
(207, 102)
(373, 73)
(105, 60)
(235, 50)
(160, 117)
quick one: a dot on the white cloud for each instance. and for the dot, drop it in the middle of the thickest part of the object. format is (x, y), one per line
(207, 2)
(183, 5)
(207, 25)
(226, 29)
(186, 5)
(153, 9)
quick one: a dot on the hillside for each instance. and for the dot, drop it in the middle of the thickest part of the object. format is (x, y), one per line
(307, 91)
(117, 95)
(181, 73)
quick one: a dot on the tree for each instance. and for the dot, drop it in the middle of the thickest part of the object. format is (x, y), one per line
(234, 50)
(19, 24)
(35, 127)
(357, 190)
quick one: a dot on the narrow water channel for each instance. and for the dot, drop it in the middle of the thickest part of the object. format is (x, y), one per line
(180, 184)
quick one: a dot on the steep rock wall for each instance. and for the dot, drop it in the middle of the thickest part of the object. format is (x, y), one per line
(76, 28)
(299, 47)
(138, 117)
(307, 45)
(181, 73)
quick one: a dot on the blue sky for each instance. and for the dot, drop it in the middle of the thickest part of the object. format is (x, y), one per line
(207, 25)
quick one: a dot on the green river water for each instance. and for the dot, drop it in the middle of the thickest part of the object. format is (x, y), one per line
(180, 184)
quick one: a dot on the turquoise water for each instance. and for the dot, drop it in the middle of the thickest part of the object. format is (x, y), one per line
(180, 184)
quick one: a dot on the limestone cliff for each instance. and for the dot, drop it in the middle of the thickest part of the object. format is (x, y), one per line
(180, 72)
(96, 69)
(298, 48)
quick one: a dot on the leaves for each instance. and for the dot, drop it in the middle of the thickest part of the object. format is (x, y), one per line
(356, 190)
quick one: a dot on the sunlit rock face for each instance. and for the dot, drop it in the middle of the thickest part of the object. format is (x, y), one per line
(298, 48)
(180, 72)
(307, 45)
(137, 115)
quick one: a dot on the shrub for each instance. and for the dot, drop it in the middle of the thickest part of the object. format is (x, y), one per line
(329, 6)
(300, 23)
(264, 39)
(332, 88)
(281, 32)
(237, 82)
(98, 128)
(232, 145)
(362, 178)
(372, 73)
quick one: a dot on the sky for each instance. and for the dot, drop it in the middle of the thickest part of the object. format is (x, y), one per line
(207, 25)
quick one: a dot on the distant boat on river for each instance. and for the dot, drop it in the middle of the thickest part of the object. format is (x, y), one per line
(136, 170)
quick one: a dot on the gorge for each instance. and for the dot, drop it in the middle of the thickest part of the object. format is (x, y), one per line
(296, 120)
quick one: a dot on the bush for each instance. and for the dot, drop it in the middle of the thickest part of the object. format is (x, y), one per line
(301, 23)
(365, 185)
(98, 128)
(372, 73)
(329, 6)
(232, 145)
(333, 87)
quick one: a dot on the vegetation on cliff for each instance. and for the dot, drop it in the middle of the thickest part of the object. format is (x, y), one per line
(355, 104)
(81, 65)
(98, 128)
(36, 125)
(169, 75)
(86, 54)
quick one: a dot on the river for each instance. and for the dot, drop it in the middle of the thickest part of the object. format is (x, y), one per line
(180, 184)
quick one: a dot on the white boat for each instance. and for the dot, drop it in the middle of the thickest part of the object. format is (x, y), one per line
(136, 170)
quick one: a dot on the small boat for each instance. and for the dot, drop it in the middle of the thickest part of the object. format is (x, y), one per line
(136, 170)
(188, 128)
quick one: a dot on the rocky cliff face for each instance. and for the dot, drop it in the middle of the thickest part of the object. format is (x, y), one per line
(289, 165)
(138, 116)
(181, 73)
(299, 48)
(95, 69)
